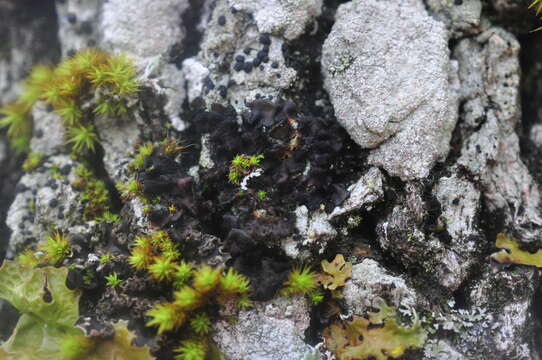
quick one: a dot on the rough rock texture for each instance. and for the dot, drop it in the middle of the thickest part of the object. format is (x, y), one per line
(489, 74)
(392, 84)
(42, 201)
(145, 28)
(222, 72)
(370, 282)
(49, 132)
(463, 17)
(430, 89)
(315, 229)
(272, 331)
(281, 17)
(77, 24)
(512, 330)
(363, 194)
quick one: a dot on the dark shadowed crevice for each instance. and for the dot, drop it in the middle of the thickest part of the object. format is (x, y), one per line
(191, 44)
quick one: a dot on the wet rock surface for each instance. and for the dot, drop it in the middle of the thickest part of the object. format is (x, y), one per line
(403, 135)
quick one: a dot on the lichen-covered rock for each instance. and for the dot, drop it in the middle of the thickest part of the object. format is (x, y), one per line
(49, 132)
(363, 194)
(392, 84)
(315, 229)
(273, 330)
(371, 282)
(489, 74)
(462, 17)
(118, 137)
(77, 24)
(43, 200)
(460, 209)
(144, 29)
(236, 63)
(509, 295)
(281, 17)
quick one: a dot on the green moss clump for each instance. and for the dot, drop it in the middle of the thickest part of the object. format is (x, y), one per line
(301, 280)
(94, 195)
(203, 288)
(69, 88)
(242, 165)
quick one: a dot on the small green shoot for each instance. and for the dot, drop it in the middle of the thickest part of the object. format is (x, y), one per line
(112, 280)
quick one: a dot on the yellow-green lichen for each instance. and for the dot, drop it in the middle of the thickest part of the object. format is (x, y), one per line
(512, 254)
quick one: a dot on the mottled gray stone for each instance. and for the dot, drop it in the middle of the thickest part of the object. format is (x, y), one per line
(392, 83)
(510, 296)
(42, 201)
(461, 17)
(49, 125)
(211, 73)
(314, 228)
(460, 206)
(367, 191)
(78, 24)
(441, 350)
(145, 28)
(371, 282)
(281, 17)
(490, 74)
(118, 137)
(272, 330)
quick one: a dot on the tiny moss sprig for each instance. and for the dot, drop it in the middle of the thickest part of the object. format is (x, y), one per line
(191, 350)
(537, 4)
(142, 152)
(112, 280)
(33, 160)
(83, 139)
(56, 248)
(94, 195)
(242, 165)
(301, 280)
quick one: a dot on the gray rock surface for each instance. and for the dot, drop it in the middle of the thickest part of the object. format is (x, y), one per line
(365, 193)
(118, 137)
(48, 124)
(512, 329)
(461, 17)
(41, 201)
(392, 84)
(78, 24)
(281, 17)
(144, 29)
(273, 330)
(489, 73)
(371, 282)
(213, 73)
(314, 228)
